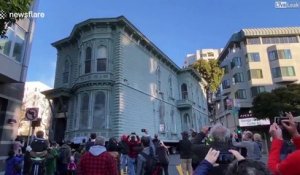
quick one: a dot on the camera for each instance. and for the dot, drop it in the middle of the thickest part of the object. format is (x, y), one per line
(143, 130)
(225, 157)
(278, 120)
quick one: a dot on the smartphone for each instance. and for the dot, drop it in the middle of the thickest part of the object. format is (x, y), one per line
(278, 120)
(143, 130)
(225, 157)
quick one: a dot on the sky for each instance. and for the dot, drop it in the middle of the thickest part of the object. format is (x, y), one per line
(177, 27)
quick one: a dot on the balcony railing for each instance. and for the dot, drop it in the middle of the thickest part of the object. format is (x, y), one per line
(184, 104)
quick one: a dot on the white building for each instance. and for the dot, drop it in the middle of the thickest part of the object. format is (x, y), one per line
(111, 79)
(33, 98)
(205, 54)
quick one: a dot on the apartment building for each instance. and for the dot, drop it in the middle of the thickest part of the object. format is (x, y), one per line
(205, 54)
(255, 60)
(112, 80)
(14, 58)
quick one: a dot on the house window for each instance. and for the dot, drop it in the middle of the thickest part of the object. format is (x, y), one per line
(210, 54)
(283, 71)
(99, 112)
(255, 74)
(238, 77)
(236, 62)
(84, 111)
(253, 57)
(257, 89)
(170, 86)
(186, 122)
(173, 121)
(66, 72)
(158, 74)
(101, 59)
(240, 94)
(88, 60)
(226, 69)
(184, 91)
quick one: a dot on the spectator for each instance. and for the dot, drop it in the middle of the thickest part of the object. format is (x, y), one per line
(289, 166)
(199, 138)
(113, 148)
(51, 159)
(156, 141)
(97, 160)
(38, 153)
(133, 142)
(257, 138)
(185, 151)
(220, 137)
(163, 157)
(91, 142)
(124, 150)
(240, 166)
(18, 144)
(64, 158)
(252, 147)
(13, 164)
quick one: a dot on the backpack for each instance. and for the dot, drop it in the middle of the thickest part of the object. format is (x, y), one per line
(151, 166)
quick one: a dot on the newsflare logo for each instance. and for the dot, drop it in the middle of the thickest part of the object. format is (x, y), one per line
(280, 4)
(2, 14)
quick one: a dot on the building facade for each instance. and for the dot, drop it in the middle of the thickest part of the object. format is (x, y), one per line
(112, 80)
(14, 57)
(255, 60)
(205, 54)
(33, 98)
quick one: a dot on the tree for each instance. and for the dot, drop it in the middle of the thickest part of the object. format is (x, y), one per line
(12, 6)
(271, 104)
(211, 72)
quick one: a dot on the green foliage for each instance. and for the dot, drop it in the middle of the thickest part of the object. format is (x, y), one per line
(12, 6)
(271, 104)
(211, 72)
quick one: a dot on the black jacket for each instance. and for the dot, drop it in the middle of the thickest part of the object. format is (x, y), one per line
(185, 149)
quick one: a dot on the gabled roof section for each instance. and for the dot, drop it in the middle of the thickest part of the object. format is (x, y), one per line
(120, 21)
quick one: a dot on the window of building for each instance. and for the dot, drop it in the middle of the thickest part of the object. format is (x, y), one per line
(186, 122)
(158, 74)
(13, 45)
(88, 60)
(210, 54)
(225, 84)
(99, 112)
(226, 69)
(251, 41)
(184, 91)
(203, 55)
(257, 89)
(255, 74)
(280, 54)
(173, 121)
(240, 94)
(253, 57)
(66, 72)
(236, 62)
(281, 39)
(170, 86)
(286, 71)
(84, 111)
(101, 59)
(238, 77)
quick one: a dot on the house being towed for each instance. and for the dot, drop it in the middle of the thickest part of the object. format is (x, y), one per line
(112, 80)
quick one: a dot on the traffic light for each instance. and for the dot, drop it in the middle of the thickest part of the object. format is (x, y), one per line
(238, 130)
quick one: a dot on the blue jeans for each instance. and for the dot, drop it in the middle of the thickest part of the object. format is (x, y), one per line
(131, 166)
(124, 160)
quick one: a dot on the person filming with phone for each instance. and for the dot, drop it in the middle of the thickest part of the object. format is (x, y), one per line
(290, 165)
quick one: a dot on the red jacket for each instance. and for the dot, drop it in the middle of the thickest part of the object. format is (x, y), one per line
(133, 148)
(104, 164)
(290, 165)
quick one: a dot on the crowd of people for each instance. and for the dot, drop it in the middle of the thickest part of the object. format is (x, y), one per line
(212, 151)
